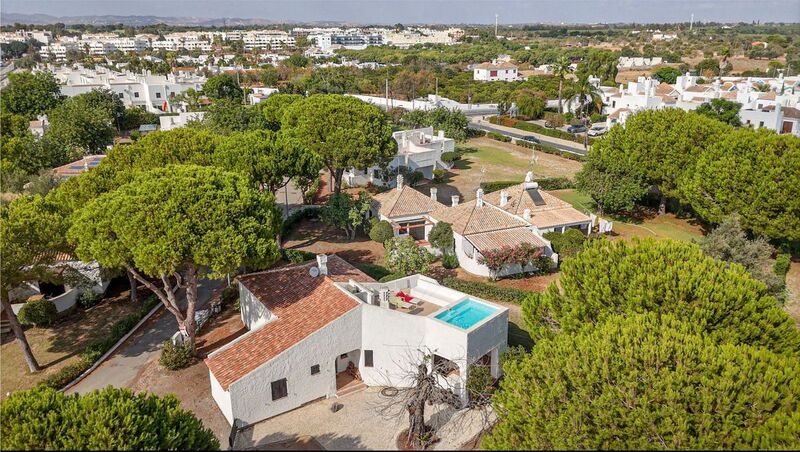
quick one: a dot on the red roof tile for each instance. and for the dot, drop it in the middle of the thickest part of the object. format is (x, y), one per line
(303, 305)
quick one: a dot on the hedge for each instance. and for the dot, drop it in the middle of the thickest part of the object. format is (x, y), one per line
(488, 291)
(782, 263)
(450, 156)
(498, 137)
(96, 349)
(297, 256)
(549, 183)
(551, 150)
(536, 128)
(392, 277)
(567, 244)
(374, 271)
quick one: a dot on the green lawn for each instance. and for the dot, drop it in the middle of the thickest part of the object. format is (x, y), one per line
(497, 157)
(666, 226)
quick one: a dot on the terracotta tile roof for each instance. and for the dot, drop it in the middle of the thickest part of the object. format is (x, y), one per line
(698, 88)
(729, 95)
(467, 218)
(768, 96)
(404, 202)
(495, 66)
(615, 114)
(664, 89)
(303, 304)
(791, 112)
(509, 237)
(550, 212)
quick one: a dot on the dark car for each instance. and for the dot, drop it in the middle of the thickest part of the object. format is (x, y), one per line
(530, 139)
(577, 128)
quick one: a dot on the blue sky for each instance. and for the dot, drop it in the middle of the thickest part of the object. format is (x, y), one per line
(428, 11)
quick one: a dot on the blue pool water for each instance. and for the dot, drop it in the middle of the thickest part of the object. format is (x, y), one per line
(467, 313)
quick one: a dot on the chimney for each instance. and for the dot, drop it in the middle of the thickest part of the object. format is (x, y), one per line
(479, 198)
(454, 200)
(322, 263)
(399, 181)
(529, 176)
(526, 215)
(503, 198)
(434, 190)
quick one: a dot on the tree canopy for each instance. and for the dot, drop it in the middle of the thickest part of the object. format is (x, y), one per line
(646, 382)
(722, 110)
(452, 122)
(753, 173)
(108, 419)
(31, 94)
(223, 86)
(179, 220)
(721, 300)
(273, 108)
(344, 132)
(86, 122)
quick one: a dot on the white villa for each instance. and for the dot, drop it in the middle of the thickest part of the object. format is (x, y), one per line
(494, 71)
(776, 108)
(510, 217)
(324, 329)
(418, 150)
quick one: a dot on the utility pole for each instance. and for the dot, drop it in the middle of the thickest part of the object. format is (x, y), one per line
(437, 89)
(387, 95)
(495, 25)
(691, 23)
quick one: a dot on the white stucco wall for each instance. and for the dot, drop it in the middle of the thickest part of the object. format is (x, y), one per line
(254, 313)
(251, 396)
(222, 397)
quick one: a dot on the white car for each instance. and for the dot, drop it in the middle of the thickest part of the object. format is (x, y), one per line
(597, 131)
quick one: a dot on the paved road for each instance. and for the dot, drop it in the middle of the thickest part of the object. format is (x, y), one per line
(122, 368)
(489, 127)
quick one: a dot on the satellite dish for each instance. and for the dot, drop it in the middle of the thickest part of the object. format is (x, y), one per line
(313, 271)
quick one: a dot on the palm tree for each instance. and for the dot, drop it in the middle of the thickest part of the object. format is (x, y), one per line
(560, 69)
(588, 95)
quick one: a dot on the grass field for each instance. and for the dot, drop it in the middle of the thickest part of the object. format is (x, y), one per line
(665, 226)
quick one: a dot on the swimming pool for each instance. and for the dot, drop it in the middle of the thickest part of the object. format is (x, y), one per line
(467, 313)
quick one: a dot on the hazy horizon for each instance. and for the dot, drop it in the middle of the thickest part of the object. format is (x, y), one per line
(427, 11)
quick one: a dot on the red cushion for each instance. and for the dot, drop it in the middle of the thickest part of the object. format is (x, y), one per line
(406, 298)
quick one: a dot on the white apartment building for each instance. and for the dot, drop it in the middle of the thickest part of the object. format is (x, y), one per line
(407, 38)
(270, 39)
(152, 92)
(323, 329)
(418, 150)
(169, 122)
(495, 71)
(766, 102)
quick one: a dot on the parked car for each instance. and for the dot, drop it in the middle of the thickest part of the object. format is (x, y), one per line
(597, 131)
(577, 128)
(549, 125)
(530, 139)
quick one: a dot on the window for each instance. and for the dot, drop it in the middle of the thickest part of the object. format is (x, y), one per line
(121, 95)
(158, 95)
(136, 95)
(315, 369)
(367, 358)
(279, 389)
(760, 123)
(492, 73)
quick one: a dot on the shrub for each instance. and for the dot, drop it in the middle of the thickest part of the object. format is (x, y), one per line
(597, 117)
(500, 258)
(403, 255)
(441, 236)
(229, 295)
(297, 256)
(89, 298)
(490, 292)
(38, 313)
(438, 175)
(381, 231)
(451, 157)
(569, 116)
(552, 150)
(392, 277)
(108, 419)
(782, 263)
(567, 244)
(374, 271)
(555, 119)
(555, 183)
(175, 356)
(479, 384)
(449, 261)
